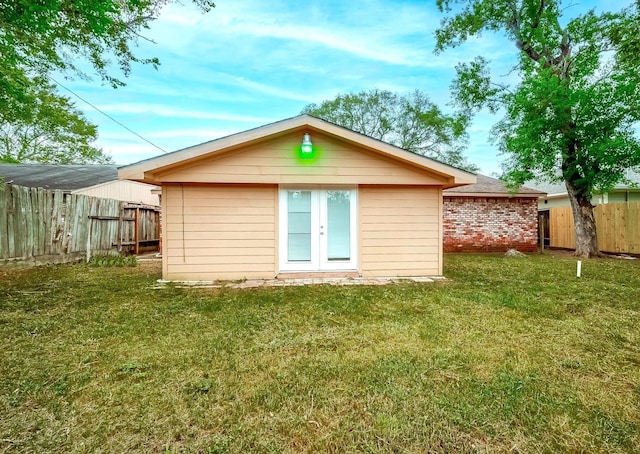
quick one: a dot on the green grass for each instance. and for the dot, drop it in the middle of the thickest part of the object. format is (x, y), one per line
(508, 355)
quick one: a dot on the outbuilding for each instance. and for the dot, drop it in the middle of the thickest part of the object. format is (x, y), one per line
(299, 197)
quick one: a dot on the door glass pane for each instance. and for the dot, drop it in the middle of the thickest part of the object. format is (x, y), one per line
(299, 226)
(338, 225)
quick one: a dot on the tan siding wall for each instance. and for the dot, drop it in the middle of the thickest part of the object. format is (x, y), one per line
(219, 232)
(400, 231)
(127, 191)
(276, 162)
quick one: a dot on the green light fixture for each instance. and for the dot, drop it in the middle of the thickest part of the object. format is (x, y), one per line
(307, 146)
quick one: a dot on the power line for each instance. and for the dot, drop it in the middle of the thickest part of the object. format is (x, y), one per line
(107, 115)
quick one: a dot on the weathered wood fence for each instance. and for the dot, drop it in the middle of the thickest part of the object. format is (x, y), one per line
(41, 226)
(618, 227)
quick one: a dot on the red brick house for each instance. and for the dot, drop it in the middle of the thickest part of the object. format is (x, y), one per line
(486, 217)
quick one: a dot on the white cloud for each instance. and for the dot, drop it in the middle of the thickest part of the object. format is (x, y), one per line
(195, 134)
(267, 89)
(126, 148)
(129, 153)
(162, 111)
(355, 42)
(387, 32)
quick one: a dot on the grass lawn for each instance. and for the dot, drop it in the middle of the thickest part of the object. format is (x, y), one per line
(508, 355)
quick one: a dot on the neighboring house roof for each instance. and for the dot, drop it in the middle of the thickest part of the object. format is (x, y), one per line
(550, 188)
(148, 170)
(557, 189)
(65, 177)
(95, 180)
(490, 187)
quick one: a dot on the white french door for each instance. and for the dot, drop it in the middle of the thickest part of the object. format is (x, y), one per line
(317, 229)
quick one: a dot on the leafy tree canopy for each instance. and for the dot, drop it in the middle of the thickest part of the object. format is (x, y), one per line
(411, 122)
(573, 114)
(41, 36)
(57, 133)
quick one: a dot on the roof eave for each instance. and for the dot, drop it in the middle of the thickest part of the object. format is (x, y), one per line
(492, 194)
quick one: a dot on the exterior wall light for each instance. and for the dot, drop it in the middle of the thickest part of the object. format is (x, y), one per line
(307, 146)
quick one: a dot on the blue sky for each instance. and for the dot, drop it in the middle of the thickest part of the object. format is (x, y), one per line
(251, 62)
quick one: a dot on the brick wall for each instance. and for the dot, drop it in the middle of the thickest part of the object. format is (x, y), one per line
(480, 224)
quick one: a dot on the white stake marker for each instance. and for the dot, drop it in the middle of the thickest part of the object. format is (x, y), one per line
(579, 271)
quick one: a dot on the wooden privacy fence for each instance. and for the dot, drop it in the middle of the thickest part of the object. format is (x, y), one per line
(44, 226)
(618, 227)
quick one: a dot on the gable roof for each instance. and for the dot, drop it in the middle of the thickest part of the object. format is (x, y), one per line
(144, 171)
(65, 177)
(487, 186)
(559, 189)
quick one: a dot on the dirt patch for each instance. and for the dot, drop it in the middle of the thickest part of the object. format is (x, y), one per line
(150, 265)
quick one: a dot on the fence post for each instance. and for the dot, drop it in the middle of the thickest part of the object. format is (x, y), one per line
(136, 234)
(541, 232)
(5, 193)
(90, 226)
(120, 225)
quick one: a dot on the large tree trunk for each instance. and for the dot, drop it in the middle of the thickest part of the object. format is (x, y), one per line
(585, 223)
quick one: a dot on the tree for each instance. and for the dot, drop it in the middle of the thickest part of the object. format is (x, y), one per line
(572, 115)
(55, 133)
(411, 122)
(38, 37)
